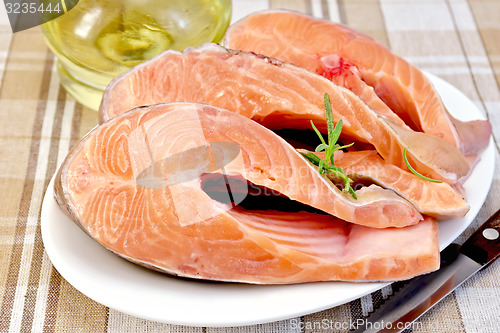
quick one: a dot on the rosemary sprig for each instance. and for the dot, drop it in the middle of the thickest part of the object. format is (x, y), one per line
(327, 164)
(415, 171)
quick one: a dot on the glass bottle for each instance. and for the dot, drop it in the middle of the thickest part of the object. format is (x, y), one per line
(99, 39)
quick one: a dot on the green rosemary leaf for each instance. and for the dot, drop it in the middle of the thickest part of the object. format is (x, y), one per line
(327, 164)
(335, 134)
(336, 169)
(321, 166)
(318, 133)
(344, 146)
(329, 120)
(351, 191)
(321, 147)
(311, 157)
(415, 171)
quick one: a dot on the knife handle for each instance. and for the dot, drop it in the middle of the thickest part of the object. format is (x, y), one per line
(484, 244)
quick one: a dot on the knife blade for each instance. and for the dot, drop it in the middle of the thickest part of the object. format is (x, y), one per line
(458, 263)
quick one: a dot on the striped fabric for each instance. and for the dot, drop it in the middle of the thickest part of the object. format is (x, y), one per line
(458, 40)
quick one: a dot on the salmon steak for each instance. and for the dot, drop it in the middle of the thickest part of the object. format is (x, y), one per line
(276, 95)
(144, 185)
(386, 82)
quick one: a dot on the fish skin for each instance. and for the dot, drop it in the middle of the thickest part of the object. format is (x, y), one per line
(301, 39)
(96, 186)
(277, 95)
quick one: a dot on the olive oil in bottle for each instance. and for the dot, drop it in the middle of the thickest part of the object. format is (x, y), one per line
(99, 39)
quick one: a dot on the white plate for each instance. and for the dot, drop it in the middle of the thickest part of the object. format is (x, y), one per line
(131, 289)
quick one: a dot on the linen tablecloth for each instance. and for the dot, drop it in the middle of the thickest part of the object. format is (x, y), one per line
(457, 40)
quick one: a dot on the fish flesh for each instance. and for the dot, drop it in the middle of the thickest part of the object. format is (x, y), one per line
(276, 95)
(179, 229)
(439, 200)
(359, 63)
(268, 161)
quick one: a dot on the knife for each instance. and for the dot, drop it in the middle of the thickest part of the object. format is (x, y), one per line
(458, 263)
